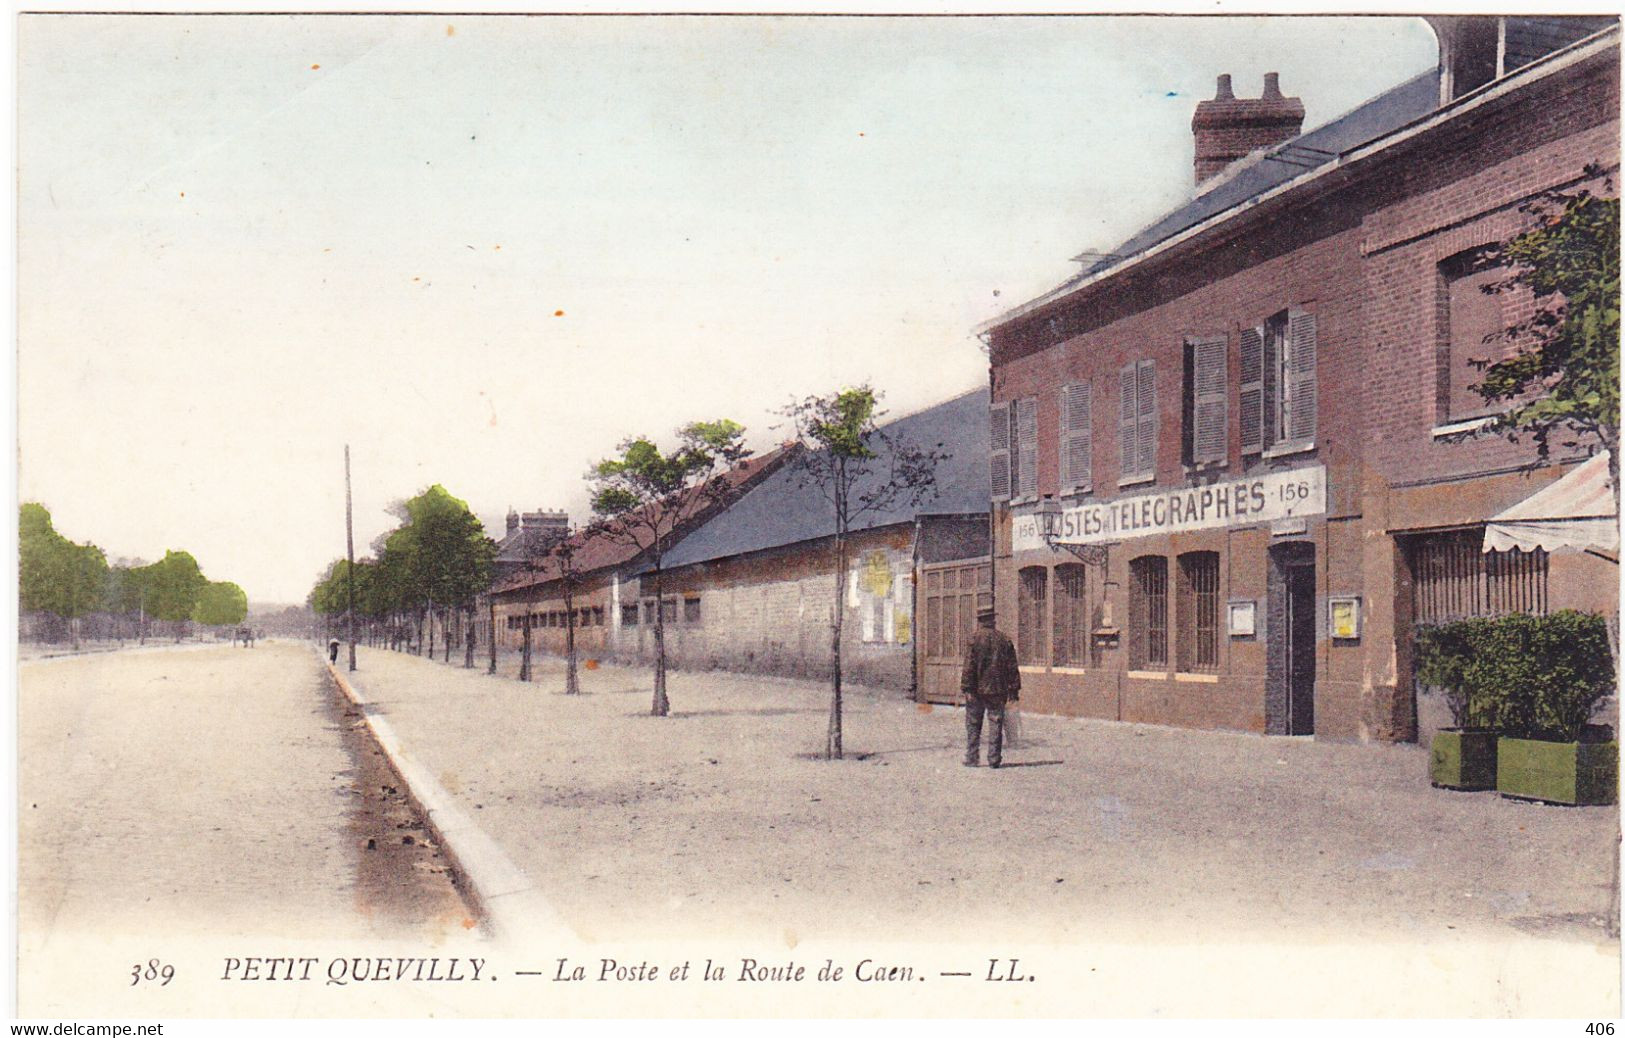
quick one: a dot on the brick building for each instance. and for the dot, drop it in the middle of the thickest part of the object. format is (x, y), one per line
(752, 589)
(1232, 465)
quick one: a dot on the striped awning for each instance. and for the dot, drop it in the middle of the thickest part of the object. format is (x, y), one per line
(1576, 513)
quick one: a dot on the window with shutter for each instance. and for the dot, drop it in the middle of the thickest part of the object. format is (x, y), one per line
(1146, 438)
(1274, 396)
(1210, 404)
(999, 455)
(1137, 421)
(1025, 478)
(1298, 375)
(1251, 396)
(1077, 445)
(1128, 464)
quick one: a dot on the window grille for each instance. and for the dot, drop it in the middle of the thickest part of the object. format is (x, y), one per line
(1198, 612)
(1453, 578)
(1070, 644)
(1031, 592)
(1148, 612)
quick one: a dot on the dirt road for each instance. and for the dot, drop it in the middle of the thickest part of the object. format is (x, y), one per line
(207, 793)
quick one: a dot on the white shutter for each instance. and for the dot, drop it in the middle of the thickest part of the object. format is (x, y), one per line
(999, 454)
(1077, 442)
(1027, 447)
(1211, 413)
(1127, 406)
(1146, 434)
(1300, 373)
(1251, 396)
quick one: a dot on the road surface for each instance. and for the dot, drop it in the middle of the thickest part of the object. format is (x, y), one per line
(208, 793)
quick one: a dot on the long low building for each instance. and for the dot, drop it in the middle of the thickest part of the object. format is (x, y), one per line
(750, 586)
(754, 589)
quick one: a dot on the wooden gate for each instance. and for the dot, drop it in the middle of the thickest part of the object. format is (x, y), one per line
(951, 593)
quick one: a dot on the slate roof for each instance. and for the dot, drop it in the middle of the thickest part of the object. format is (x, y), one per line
(779, 511)
(599, 551)
(1412, 100)
(517, 546)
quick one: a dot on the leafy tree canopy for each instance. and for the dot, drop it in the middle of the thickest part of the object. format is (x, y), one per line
(221, 603)
(1565, 373)
(54, 573)
(173, 586)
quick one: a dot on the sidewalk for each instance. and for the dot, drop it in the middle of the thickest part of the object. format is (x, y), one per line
(716, 821)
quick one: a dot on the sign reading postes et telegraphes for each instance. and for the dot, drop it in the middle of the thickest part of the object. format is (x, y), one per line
(1260, 499)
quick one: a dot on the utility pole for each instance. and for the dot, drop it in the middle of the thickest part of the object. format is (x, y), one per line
(349, 553)
(491, 607)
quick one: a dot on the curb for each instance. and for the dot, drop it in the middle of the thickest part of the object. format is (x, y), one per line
(502, 895)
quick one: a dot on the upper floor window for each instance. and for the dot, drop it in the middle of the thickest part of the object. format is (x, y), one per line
(1137, 422)
(1206, 401)
(1475, 312)
(1013, 441)
(1077, 438)
(1277, 398)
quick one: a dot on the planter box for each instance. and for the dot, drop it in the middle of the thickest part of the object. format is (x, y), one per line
(1558, 772)
(1463, 758)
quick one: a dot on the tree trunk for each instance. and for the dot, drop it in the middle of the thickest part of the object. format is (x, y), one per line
(524, 649)
(832, 743)
(1609, 435)
(571, 683)
(468, 641)
(491, 606)
(662, 705)
(445, 631)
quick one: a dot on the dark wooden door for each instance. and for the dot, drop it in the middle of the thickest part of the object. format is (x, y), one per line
(1300, 625)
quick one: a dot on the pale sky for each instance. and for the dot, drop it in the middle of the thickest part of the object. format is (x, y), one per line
(482, 251)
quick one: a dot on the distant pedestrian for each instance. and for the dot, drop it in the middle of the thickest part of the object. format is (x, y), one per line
(333, 651)
(989, 680)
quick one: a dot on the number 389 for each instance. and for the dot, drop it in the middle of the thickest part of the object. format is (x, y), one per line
(153, 970)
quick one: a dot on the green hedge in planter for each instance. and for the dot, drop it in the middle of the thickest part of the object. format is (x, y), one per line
(1530, 677)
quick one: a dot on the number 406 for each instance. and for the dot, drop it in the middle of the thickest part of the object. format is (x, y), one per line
(1606, 1028)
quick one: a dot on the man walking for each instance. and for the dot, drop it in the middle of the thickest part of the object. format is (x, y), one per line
(989, 679)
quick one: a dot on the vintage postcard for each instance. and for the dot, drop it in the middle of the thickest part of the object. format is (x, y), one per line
(791, 515)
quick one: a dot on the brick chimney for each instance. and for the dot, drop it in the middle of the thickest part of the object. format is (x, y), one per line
(513, 520)
(1228, 127)
(549, 526)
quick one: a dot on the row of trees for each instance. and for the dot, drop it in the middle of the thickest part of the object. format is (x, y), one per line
(424, 573)
(63, 583)
(644, 497)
